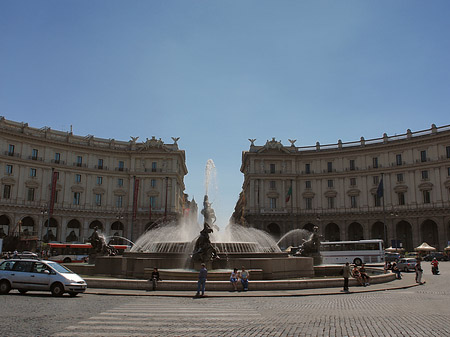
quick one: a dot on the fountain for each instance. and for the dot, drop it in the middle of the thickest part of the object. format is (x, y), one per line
(180, 246)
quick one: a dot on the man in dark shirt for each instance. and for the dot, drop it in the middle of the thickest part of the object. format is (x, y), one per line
(202, 275)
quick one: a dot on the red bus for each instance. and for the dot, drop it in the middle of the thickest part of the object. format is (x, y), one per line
(74, 252)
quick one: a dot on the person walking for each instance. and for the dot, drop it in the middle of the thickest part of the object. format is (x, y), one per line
(435, 266)
(201, 284)
(346, 274)
(419, 272)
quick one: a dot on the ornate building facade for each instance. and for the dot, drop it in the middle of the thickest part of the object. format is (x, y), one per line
(120, 187)
(394, 188)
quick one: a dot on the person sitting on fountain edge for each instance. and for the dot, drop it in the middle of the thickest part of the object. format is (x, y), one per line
(244, 275)
(155, 278)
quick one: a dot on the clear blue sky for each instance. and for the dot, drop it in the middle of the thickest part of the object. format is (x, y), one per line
(216, 73)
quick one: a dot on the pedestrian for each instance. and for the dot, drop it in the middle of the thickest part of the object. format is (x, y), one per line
(234, 278)
(346, 275)
(155, 278)
(357, 275)
(435, 266)
(419, 272)
(202, 275)
(244, 275)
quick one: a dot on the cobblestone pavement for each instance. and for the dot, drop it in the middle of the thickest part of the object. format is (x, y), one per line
(417, 311)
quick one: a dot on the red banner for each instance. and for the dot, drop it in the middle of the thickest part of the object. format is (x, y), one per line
(135, 197)
(53, 192)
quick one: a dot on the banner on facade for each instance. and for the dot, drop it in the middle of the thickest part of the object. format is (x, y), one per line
(135, 197)
(53, 192)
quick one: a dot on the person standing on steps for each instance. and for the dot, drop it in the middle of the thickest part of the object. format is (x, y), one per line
(202, 275)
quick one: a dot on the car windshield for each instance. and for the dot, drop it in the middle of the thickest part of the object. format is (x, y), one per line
(59, 268)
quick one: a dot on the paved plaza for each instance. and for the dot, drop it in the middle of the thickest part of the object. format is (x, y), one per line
(411, 311)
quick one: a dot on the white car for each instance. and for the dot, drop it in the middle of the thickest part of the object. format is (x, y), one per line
(31, 274)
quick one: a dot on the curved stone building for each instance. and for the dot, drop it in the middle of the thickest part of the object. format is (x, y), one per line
(96, 183)
(394, 188)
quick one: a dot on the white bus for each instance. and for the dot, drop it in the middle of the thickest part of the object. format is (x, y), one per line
(357, 252)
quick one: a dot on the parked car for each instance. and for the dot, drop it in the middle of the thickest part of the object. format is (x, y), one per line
(392, 257)
(27, 255)
(437, 255)
(32, 274)
(406, 264)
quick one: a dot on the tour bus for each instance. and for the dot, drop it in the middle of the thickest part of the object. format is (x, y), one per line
(74, 252)
(357, 252)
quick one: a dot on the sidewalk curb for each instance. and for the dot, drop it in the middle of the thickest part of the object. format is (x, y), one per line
(218, 294)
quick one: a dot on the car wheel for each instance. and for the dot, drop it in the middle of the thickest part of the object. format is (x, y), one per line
(73, 294)
(67, 260)
(57, 289)
(5, 287)
(23, 291)
(357, 261)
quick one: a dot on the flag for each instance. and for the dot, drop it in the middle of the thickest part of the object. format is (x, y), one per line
(289, 193)
(135, 197)
(380, 189)
(53, 191)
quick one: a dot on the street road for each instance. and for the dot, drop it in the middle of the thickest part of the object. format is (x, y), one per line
(417, 311)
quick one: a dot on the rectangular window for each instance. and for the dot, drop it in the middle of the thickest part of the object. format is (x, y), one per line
(98, 199)
(331, 202)
(56, 196)
(121, 165)
(308, 184)
(154, 166)
(79, 161)
(426, 197)
(273, 184)
(32, 172)
(353, 201)
(57, 157)
(398, 160)
(330, 183)
(9, 169)
(308, 203)
(34, 154)
(352, 165)
(120, 182)
(352, 181)
(400, 177)
(78, 178)
(424, 175)
(11, 150)
(30, 194)
(99, 180)
(272, 168)
(375, 162)
(119, 201)
(307, 168)
(153, 183)
(376, 180)
(447, 150)
(100, 164)
(7, 191)
(423, 156)
(273, 203)
(76, 198)
(330, 166)
(153, 202)
(401, 198)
